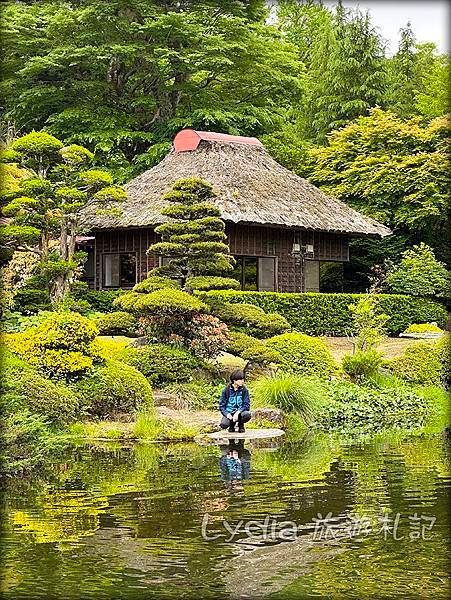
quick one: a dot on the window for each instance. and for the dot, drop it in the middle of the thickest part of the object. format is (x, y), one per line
(118, 270)
(255, 272)
(331, 277)
(88, 267)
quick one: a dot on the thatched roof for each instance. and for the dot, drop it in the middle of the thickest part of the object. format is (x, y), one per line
(251, 186)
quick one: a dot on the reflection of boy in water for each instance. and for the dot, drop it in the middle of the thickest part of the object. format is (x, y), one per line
(235, 462)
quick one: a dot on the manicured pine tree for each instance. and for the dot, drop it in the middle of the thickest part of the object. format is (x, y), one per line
(193, 236)
(45, 207)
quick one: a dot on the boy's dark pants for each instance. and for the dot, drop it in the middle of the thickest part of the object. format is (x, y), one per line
(243, 417)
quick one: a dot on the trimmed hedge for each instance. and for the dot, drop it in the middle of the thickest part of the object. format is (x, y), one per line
(328, 314)
(252, 349)
(420, 363)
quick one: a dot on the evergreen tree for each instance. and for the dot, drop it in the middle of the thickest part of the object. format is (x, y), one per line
(45, 205)
(193, 237)
(347, 72)
(403, 75)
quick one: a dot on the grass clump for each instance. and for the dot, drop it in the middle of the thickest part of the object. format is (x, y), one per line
(291, 393)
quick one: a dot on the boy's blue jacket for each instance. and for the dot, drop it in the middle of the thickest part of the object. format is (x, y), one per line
(243, 400)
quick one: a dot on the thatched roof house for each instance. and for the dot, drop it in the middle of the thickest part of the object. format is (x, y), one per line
(255, 194)
(252, 188)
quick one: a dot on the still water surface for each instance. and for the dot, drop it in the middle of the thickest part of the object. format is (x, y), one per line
(316, 518)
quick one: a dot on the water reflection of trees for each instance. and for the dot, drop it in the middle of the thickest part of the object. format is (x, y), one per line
(143, 506)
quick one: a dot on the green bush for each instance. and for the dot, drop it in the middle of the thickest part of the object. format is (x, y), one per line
(329, 314)
(153, 283)
(420, 363)
(291, 393)
(30, 300)
(355, 408)
(75, 304)
(114, 387)
(250, 348)
(160, 303)
(161, 363)
(423, 328)
(443, 347)
(116, 323)
(25, 438)
(303, 354)
(419, 273)
(362, 364)
(23, 387)
(102, 300)
(247, 317)
(205, 283)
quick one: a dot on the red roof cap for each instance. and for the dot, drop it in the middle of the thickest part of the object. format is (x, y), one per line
(189, 139)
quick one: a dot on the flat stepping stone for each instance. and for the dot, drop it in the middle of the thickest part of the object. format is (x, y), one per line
(249, 434)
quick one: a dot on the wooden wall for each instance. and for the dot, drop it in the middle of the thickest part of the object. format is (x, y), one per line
(243, 240)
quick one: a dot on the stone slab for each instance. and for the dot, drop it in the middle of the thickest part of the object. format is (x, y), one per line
(249, 434)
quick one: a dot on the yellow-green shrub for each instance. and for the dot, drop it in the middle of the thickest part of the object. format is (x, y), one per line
(114, 387)
(423, 328)
(153, 283)
(303, 354)
(420, 363)
(61, 346)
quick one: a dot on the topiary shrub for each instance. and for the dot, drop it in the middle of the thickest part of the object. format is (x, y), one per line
(61, 346)
(363, 364)
(205, 283)
(161, 363)
(116, 323)
(153, 283)
(420, 363)
(303, 354)
(23, 387)
(354, 408)
(162, 303)
(251, 349)
(114, 387)
(250, 318)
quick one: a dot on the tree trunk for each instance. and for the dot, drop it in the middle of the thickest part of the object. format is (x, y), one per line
(60, 287)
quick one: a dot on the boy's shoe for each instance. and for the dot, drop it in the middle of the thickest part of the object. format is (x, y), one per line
(231, 429)
(241, 429)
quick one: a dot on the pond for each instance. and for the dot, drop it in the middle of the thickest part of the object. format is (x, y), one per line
(316, 518)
